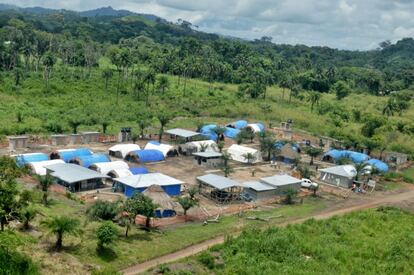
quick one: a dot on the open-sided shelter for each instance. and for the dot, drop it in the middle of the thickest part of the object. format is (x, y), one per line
(87, 161)
(23, 159)
(166, 149)
(69, 154)
(139, 183)
(184, 134)
(75, 177)
(122, 150)
(239, 153)
(39, 167)
(208, 159)
(282, 183)
(219, 188)
(144, 156)
(342, 175)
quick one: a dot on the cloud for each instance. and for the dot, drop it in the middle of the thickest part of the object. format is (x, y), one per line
(345, 24)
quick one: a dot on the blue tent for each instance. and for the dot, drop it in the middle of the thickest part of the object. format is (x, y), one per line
(146, 156)
(379, 165)
(138, 170)
(208, 130)
(154, 142)
(261, 126)
(231, 132)
(22, 160)
(67, 156)
(87, 161)
(240, 124)
(354, 156)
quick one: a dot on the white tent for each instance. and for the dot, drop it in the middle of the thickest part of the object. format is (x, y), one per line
(164, 148)
(121, 150)
(38, 167)
(120, 173)
(255, 128)
(106, 167)
(196, 146)
(238, 153)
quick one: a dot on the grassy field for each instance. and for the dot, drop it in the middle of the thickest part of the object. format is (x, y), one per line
(80, 251)
(367, 242)
(32, 108)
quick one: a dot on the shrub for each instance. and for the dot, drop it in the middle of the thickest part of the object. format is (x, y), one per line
(106, 233)
(13, 262)
(206, 259)
(103, 210)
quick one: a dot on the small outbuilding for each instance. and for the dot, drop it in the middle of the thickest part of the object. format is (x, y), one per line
(122, 150)
(39, 167)
(69, 154)
(341, 176)
(219, 188)
(144, 156)
(282, 183)
(258, 190)
(87, 161)
(23, 159)
(166, 149)
(208, 159)
(238, 153)
(288, 153)
(75, 177)
(139, 183)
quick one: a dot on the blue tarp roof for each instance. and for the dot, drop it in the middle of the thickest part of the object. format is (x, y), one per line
(22, 160)
(154, 142)
(149, 155)
(138, 170)
(231, 132)
(279, 144)
(67, 156)
(354, 156)
(208, 131)
(240, 124)
(87, 161)
(379, 165)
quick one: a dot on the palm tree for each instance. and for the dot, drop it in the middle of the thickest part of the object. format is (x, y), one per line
(225, 157)
(61, 225)
(313, 153)
(163, 117)
(249, 157)
(219, 131)
(314, 98)
(44, 183)
(203, 147)
(26, 216)
(163, 83)
(227, 170)
(389, 108)
(220, 146)
(267, 145)
(49, 61)
(186, 203)
(107, 74)
(360, 168)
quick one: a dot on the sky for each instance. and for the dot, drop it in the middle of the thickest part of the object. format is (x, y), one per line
(343, 24)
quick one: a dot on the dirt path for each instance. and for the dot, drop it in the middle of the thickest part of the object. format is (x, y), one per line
(197, 248)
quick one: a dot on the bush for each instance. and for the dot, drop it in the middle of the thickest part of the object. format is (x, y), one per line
(13, 262)
(206, 259)
(106, 233)
(103, 210)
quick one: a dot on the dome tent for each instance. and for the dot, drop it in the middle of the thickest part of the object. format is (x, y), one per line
(335, 155)
(255, 127)
(145, 156)
(39, 167)
(238, 153)
(126, 172)
(240, 124)
(106, 167)
(379, 165)
(208, 131)
(121, 150)
(68, 154)
(166, 149)
(231, 133)
(87, 161)
(23, 159)
(138, 170)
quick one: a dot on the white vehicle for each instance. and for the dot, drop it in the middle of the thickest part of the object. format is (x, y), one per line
(308, 184)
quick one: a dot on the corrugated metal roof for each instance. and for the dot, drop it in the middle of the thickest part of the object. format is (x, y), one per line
(348, 171)
(146, 180)
(182, 133)
(72, 173)
(280, 180)
(218, 182)
(259, 186)
(208, 154)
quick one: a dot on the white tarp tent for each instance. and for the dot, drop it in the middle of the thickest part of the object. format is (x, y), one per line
(238, 153)
(164, 148)
(38, 167)
(121, 150)
(106, 167)
(120, 173)
(254, 127)
(196, 146)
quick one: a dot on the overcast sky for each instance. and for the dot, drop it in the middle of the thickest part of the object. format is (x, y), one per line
(345, 24)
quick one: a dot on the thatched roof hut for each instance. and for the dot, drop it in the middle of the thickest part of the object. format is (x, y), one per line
(159, 197)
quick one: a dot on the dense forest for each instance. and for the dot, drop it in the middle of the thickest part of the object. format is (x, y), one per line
(134, 54)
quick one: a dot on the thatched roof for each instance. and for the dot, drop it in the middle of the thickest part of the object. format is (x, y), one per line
(288, 152)
(159, 197)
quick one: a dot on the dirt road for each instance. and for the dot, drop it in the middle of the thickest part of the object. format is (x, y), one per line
(197, 248)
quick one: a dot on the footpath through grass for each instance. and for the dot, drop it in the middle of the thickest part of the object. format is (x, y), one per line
(375, 241)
